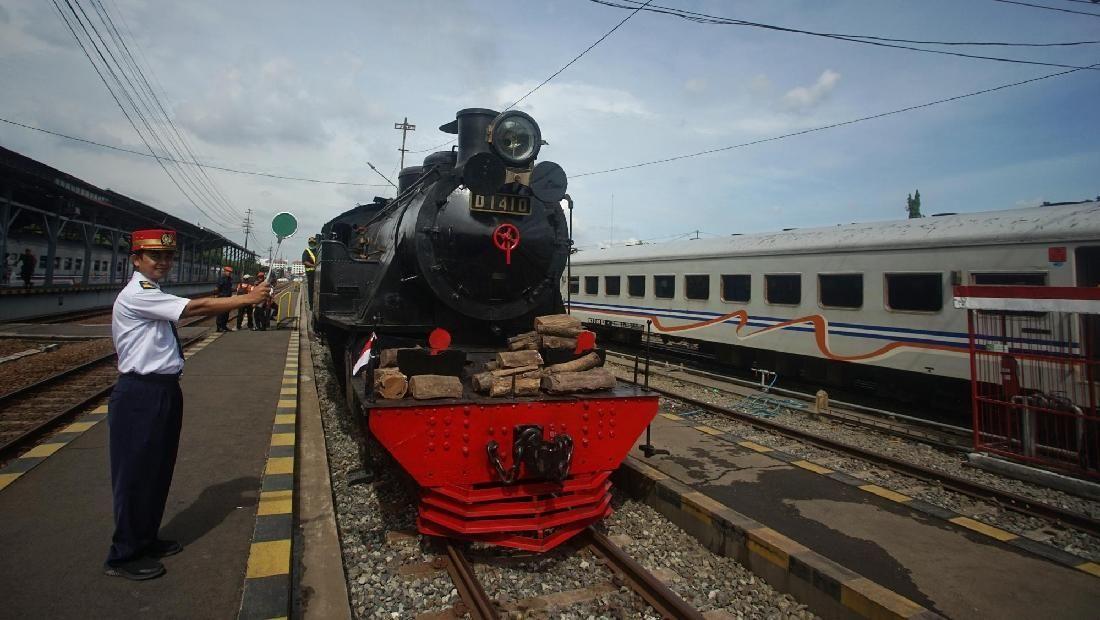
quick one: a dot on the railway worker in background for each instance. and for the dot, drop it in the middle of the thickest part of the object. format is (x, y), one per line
(224, 288)
(261, 312)
(309, 261)
(244, 288)
(26, 271)
(145, 411)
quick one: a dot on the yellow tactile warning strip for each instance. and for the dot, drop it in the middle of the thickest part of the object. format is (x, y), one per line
(267, 579)
(768, 553)
(1043, 550)
(30, 459)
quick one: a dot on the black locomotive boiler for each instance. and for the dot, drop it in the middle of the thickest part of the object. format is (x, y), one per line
(474, 243)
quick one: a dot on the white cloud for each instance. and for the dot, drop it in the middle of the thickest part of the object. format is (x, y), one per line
(803, 98)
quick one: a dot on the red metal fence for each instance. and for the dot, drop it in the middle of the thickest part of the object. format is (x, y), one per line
(1034, 370)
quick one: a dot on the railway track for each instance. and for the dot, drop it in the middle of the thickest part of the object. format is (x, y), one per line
(943, 436)
(1011, 501)
(624, 569)
(32, 411)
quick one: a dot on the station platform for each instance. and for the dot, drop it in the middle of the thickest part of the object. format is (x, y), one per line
(230, 505)
(835, 533)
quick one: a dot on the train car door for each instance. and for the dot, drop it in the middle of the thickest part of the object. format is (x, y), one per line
(1087, 261)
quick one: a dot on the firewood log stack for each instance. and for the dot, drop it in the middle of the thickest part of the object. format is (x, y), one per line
(519, 371)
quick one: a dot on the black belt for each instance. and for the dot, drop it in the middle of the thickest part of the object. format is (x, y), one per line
(153, 377)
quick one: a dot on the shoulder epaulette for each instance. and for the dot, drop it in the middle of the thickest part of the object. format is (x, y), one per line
(145, 284)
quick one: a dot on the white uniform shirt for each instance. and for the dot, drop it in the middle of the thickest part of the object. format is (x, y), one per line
(141, 330)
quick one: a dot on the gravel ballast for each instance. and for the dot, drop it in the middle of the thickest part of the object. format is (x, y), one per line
(390, 573)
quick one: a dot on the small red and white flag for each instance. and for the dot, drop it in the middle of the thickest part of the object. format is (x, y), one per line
(365, 355)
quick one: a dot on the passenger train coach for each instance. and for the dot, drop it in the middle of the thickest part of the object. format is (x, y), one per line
(864, 306)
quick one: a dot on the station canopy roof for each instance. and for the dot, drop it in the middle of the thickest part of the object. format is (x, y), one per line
(41, 189)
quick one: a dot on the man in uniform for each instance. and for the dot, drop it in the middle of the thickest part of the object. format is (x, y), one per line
(145, 411)
(309, 261)
(224, 289)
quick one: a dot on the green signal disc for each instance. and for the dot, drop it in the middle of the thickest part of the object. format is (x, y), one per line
(283, 225)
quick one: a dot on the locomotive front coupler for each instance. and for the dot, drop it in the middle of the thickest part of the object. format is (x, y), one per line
(547, 460)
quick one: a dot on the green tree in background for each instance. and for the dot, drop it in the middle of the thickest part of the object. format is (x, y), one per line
(913, 205)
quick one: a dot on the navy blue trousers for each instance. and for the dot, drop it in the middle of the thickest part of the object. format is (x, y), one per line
(144, 415)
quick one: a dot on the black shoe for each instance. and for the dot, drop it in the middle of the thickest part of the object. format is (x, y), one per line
(163, 548)
(138, 569)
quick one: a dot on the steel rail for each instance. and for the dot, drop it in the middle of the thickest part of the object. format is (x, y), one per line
(10, 448)
(881, 415)
(476, 602)
(659, 596)
(954, 439)
(1012, 501)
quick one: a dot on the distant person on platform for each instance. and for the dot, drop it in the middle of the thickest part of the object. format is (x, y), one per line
(26, 271)
(244, 288)
(309, 261)
(224, 288)
(145, 411)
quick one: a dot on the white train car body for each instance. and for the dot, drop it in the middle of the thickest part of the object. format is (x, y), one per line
(875, 294)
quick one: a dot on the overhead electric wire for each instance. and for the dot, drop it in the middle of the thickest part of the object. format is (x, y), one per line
(125, 113)
(208, 166)
(438, 146)
(165, 142)
(831, 125)
(578, 56)
(216, 213)
(1048, 8)
(865, 40)
(136, 67)
(703, 18)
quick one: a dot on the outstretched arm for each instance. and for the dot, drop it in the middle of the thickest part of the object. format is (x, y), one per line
(209, 306)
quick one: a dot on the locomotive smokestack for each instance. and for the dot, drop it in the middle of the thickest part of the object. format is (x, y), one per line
(473, 125)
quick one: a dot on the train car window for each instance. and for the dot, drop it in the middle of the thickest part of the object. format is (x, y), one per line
(68, 263)
(574, 285)
(783, 289)
(737, 287)
(843, 290)
(664, 287)
(697, 287)
(916, 292)
(635, 286)
(1010, 279)
(79, 264)
(95, 266)
(57, 262)
(611, 285)
(591, 285)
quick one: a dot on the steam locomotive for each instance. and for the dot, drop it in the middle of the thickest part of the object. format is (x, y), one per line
(468, 254)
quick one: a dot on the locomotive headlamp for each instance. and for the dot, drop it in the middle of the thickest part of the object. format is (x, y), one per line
(516, 138)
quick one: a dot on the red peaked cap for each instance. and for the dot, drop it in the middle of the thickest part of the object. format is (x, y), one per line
(153, 239)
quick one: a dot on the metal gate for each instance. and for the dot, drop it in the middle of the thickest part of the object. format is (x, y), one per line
(1034, 369)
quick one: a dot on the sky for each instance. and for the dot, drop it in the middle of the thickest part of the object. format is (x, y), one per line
(314, 89)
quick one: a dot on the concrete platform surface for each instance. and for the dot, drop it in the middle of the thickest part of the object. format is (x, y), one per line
(55, 522)
(72, 331)
(945, 568)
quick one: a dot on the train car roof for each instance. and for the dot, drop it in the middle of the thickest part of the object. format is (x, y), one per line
(1046, 224)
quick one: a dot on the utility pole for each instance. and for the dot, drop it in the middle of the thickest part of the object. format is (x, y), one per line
(247, 225)
(405, 128)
